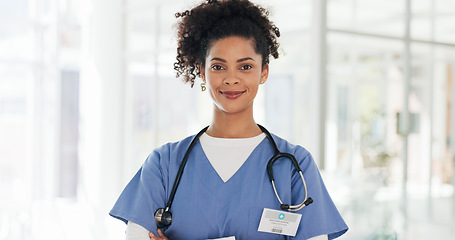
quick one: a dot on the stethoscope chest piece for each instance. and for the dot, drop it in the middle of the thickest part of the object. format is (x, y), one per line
(163, 218)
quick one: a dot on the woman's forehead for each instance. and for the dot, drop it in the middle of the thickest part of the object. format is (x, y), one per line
(233, 45)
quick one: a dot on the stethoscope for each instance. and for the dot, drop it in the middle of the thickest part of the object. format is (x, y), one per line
(163, 216)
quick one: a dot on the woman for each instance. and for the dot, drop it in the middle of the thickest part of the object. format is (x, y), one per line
(225, 190)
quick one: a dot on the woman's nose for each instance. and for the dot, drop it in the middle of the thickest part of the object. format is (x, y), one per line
(231, 79)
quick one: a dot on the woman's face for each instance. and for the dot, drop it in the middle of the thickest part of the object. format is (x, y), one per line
(233, 72)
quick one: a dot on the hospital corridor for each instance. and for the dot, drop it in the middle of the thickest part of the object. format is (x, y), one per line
(88, 90)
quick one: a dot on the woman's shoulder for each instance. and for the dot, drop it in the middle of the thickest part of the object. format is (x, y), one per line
(289, 147)
(185, 142)
(168, 153)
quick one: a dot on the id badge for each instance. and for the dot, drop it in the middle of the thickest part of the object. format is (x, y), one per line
(279, 222)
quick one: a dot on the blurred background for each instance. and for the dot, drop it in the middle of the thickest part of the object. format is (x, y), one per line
(87, 90)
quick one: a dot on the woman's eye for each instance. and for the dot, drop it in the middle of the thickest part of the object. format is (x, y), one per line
(217, 67)
(246, 67)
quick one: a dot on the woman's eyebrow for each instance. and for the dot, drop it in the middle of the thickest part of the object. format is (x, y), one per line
(218, 59)
(245, 59)
(240, 60)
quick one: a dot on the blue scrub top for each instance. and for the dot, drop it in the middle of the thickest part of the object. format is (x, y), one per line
(205, 207)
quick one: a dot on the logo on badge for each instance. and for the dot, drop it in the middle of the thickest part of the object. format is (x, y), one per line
(281, 216)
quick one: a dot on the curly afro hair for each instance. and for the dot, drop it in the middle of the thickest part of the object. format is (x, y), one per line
(199, 27)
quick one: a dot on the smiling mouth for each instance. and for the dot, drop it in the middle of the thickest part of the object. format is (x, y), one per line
(232, 94)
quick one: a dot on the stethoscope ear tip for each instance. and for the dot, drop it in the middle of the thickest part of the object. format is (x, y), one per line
(284, 206)
(308, 201)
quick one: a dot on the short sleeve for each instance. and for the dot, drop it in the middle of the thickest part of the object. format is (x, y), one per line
(145, 193)
(321, 217)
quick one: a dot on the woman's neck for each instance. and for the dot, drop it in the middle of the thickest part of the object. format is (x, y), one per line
(233, 126)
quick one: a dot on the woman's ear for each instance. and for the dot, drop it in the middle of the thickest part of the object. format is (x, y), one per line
(264, 73)
(202, 72)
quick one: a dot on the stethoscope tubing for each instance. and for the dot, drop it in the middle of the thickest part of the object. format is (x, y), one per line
(182, 167)
(293, 208)
(276, 156)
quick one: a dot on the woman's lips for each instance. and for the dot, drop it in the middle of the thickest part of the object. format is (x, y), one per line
(232, 94)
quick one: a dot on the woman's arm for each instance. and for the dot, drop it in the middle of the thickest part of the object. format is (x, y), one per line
(320, 237)
(136, 232)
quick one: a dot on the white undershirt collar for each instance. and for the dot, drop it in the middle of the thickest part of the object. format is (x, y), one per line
(227, 155)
